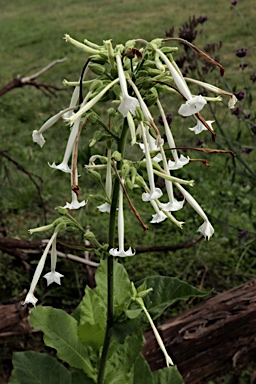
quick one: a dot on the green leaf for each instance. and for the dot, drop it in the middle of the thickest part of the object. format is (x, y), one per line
(125, 328)
(166, 290)
(122, 284)
(91, 334)
(168, 375)
(38, 368)
(60, 332)
(93, 309)
(122, 358)
(141, 372)
(79, 377)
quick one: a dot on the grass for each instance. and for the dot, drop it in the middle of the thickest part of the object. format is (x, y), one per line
(32, 34)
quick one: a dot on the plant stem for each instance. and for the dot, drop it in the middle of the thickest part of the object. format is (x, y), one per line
(110, 262)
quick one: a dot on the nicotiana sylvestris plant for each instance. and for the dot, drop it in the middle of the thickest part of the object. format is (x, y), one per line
(101, 341)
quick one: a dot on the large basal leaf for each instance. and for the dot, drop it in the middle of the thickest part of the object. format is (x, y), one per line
(141, 372)
(166, 290)
(60, 332)
(79, 377)
(122, 284)
(38, 368)
(168, 375)
(121, 359)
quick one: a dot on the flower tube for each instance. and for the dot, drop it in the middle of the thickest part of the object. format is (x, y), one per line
(30, 298)
(128, 103)
(120, 252)
(53, 276)
(206, 229)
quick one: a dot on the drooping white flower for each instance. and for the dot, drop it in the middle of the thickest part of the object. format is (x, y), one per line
(159, 216)
(30, 298)
(53, 276)
(213, 88)
(120, 252)
(155, 193)
(128, 103)
(192, 106)
(199, 127)
(37, 136)
(206, 229)
(75, 204)
(178, 162)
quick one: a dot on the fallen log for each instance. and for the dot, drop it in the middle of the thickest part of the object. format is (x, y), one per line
(210, 339)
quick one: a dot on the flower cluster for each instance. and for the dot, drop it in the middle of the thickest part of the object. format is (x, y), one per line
(133, 77)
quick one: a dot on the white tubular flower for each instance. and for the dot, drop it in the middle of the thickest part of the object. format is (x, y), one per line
(152, 146)
(159, 216)
(105, 207)
(75, 204)
(176, 75)
(158, 337)
(206, 229)
(173, 204)
(199, 127)
(131, 127)
(128, 103)
(178, 162)
(155, 193)
(192, 106)
(120, 252)
(91, 103)
(63, 166)
(37, 136)
(53, 276)
(30, 298)
(213, 88)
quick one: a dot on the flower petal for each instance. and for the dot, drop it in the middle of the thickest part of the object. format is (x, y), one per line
(128, 104)
(175, 206)
(62, 167)
(53, 277)
(206, 229)
(182, 160)
(105, 207)
(155, 194)
(158, 217)
(201, 127)
(115, 252)
(38, 138)
(192, 106)
(30, 298)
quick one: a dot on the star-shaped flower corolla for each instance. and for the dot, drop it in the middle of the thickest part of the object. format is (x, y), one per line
(178, 163)
(75, 204)
(206, 229)
(155, 193)
(30, 298)
(192, 106)
(159, 216)
(120, 252)
(199, 127)
(53, 276)
(128, 103)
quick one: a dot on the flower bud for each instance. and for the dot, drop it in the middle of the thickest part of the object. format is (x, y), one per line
(117, 156)
(97, 68)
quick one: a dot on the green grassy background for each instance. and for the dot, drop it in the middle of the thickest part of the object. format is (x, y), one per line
(31, 37)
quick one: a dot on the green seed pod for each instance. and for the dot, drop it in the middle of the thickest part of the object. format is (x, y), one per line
(116, 156)
(96, 137)
(98, 59)
(94, 174)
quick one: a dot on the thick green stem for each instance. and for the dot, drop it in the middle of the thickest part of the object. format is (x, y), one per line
(110, 262)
